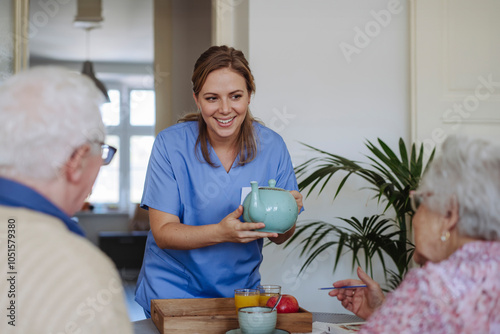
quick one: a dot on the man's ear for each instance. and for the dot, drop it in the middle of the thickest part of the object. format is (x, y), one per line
(74, 167)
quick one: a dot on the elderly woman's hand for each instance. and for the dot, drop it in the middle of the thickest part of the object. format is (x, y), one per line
(360, 301)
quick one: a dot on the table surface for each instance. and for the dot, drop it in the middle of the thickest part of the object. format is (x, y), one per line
(148, 327)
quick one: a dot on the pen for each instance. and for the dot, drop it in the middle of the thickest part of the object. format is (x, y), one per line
(343, 287)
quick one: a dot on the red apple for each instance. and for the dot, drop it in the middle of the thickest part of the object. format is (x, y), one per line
(288, 304)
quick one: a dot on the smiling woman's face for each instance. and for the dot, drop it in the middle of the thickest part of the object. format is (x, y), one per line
(223, 101)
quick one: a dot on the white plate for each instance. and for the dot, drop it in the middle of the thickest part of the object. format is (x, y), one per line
(276, 331)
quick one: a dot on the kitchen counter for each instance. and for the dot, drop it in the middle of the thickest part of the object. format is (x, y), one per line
(319, 320)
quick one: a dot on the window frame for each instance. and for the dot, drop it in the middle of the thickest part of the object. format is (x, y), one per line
(124, 130)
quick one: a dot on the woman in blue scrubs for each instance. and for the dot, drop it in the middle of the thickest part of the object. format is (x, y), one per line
(198, 247)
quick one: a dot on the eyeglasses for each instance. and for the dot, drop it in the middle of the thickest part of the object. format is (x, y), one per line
(416, 199)
(108, 152)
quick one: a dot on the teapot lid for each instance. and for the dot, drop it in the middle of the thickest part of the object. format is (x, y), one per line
(272, 186)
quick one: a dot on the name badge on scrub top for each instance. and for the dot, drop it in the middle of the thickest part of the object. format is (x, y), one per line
(244, 192)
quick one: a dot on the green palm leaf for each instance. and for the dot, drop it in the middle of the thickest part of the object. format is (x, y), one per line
(391, 178)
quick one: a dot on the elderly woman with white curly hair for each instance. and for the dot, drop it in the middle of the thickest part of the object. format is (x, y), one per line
(457, 231)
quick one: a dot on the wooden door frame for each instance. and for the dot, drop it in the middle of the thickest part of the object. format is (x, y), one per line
(21, 35)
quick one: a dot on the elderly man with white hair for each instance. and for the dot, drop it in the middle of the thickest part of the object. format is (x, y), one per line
(52, 147)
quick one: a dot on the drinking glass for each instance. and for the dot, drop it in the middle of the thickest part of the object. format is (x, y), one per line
(267, 291)
(246, 297)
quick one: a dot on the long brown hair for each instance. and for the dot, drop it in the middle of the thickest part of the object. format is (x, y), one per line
(217, 57)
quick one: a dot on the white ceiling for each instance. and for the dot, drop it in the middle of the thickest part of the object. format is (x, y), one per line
(125, 36)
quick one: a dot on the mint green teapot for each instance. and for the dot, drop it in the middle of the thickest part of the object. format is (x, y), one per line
(272, 206)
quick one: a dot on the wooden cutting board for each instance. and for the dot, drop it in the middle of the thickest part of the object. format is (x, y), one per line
(213, 315)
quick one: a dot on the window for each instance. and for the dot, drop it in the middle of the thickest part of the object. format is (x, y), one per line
(129, 119)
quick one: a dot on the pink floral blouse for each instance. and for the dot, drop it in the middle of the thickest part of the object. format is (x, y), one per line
(458, 295)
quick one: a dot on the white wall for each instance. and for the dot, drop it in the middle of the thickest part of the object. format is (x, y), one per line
(309, 92)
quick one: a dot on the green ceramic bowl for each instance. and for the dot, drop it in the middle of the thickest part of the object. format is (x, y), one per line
(257, 320)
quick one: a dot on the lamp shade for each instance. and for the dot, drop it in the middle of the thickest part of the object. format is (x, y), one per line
(88, 14)
(88, 70)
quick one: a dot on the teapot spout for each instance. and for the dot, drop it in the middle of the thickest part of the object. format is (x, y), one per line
(256, 210)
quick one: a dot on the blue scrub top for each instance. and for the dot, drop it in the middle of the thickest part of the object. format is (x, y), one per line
(181, 183)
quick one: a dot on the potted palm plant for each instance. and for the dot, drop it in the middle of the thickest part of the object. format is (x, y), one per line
(391, 178)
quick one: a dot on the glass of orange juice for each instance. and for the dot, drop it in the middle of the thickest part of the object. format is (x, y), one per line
(246, 297)
(267, 291)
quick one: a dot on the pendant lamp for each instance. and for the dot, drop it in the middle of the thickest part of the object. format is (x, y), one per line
(88, 70)
(89, 17)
